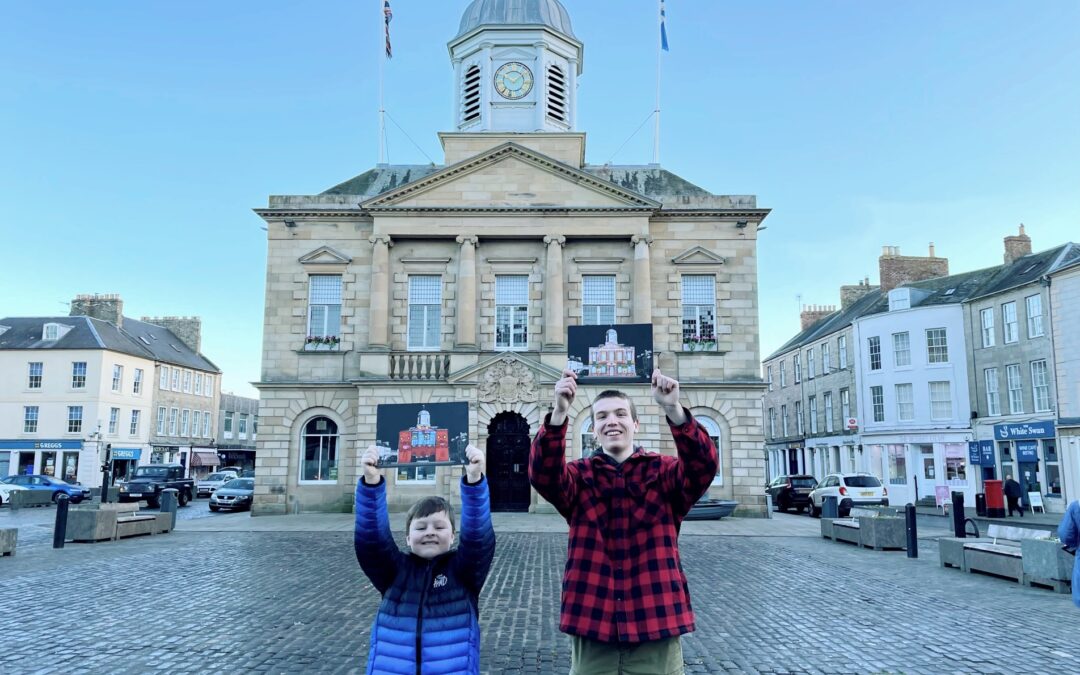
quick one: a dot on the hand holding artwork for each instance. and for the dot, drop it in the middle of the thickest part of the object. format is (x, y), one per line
(370, 462)
(665, 391)
(565, 391)
(477, 463)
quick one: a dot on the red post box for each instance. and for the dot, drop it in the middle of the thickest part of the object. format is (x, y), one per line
(995, 499)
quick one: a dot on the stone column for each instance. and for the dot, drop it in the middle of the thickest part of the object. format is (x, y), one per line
(642, 279)
(466, 292)
(379, 312)
(554, 329)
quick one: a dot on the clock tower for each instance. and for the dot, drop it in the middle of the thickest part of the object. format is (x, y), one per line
(516, 66)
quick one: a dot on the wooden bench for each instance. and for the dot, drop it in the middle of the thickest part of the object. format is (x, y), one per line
(112, 521)
(1001, 555)
(9, 537)
(846, 529)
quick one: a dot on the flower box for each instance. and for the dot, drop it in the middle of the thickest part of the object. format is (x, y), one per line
(1046, 563)
(880, 533)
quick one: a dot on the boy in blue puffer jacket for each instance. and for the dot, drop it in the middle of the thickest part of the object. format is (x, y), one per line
(428, 622)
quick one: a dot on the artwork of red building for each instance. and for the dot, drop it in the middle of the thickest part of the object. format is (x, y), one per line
(612, 359)
(423, 442)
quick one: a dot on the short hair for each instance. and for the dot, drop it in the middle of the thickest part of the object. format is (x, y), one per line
(615, 393)
(428, 506)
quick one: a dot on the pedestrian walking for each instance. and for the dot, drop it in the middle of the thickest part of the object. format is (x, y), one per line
(428, 621)
(1012, 495)
(625, 600)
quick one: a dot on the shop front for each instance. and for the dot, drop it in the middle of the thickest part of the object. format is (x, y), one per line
(1029, 453)
(923, 466)
(59, 458)
(124, 461)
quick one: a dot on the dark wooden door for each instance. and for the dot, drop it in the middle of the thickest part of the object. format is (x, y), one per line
(507, 462)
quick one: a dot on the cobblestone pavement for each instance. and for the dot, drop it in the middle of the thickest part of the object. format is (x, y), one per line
(288, 602)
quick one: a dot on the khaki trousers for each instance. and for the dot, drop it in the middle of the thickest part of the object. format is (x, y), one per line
(659, 657)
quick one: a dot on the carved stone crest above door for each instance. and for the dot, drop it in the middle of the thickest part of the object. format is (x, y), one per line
(508, 380)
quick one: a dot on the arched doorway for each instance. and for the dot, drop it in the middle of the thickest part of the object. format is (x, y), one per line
(507, 462)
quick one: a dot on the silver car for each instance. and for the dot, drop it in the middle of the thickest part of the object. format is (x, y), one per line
(236, 494)
(206, 486)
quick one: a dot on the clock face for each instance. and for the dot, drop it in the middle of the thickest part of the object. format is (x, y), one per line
(513, 80)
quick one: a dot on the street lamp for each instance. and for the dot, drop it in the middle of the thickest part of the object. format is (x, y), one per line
(106, 463)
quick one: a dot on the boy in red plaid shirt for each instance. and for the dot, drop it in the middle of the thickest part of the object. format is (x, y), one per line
(625, 600)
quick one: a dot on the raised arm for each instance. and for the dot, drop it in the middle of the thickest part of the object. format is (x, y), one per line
(476, 543)
(548, 472)
(689, 478)
(1069, 529)
(373, 542)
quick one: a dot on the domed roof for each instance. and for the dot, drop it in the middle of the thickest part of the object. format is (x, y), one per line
(516, 13)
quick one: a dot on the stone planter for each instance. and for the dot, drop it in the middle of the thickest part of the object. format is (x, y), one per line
(883, 533)
(1046, 564)
(826, 528)
(9, 538)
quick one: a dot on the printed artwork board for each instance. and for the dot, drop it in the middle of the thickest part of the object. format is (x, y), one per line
(612, 353)
(418, 435)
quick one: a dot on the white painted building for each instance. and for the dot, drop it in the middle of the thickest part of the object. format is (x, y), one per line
(1065, 329)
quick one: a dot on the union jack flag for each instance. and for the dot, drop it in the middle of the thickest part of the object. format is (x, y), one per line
(388, 15)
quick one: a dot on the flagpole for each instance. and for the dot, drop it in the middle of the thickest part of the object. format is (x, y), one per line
(656, 111)
(382, 109)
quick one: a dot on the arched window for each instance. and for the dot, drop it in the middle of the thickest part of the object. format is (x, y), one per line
(556, 95)
(470, 109)
(588, 444)
(714, 433)
(320, 441)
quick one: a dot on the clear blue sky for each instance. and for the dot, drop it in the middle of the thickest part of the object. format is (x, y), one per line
(138, 136)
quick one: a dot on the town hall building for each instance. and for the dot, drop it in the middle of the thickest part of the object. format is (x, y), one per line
(425, 284)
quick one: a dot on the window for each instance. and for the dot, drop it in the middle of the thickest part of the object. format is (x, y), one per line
(937, 347)
(797, 363)
(176, 379)
(117, 377)
(772, 422)
(198, 384)
(254, 426)
(324, 305)
(185, 422)
(810, 363)
(161, 421)
(556, 93)
(987, 316)
(51, 332)
(512, 311)
(470, 104)
(827, 398)
(208, 386)
(74, 419)
(993, 405)
(320, 450)
(134, 430)
(713, 429)
(425, 312)
(589, 445)
(136, 383)
(798, 417)
(196, 422)
(30, 419)
(206, 425)
(826, 366)
(783, 375)
(812, 408)
(841, 351)
(877, 399)
(874, 344)
(901, 344)
(114, 420)
(1008, 320)
(784, 418)
(241, 428)
(174, 413)
(768, 376)
(845, 406)
(228, 423)
(163, 380)
(598, 301)
(897, 464)
(1016, 393)
(1040, 386)
(1034, 316)
(905, 402)
(78, 375)
(187, 381)
(940, 401)
(35, 372)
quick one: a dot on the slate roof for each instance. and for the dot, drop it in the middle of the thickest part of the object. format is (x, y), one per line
(515, 13)
(136, 338)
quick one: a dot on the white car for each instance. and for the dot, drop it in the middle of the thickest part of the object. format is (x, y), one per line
(5, 492)
(850, 489)
(208, 485)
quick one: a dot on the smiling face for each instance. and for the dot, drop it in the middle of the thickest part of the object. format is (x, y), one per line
(430, 535)
(614, 424)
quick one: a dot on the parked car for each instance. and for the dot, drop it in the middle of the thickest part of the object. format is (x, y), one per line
(150, 479)
(5, 492)
(791, 491)
(76, 493)
(850, 489)
(248, 473)
(236, 494)
(206, 486)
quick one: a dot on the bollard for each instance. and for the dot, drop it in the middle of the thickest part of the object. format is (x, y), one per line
(60, 528)
(168, 504)
(912, 532)
(958, 515)
(768, 505)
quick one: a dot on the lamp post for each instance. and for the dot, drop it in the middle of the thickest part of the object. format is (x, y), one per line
(106, 463)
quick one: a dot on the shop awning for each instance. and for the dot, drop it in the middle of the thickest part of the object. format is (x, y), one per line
(204, 458)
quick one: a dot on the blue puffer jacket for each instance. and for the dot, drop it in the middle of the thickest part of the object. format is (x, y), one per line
(429, 607)
(1069, 534)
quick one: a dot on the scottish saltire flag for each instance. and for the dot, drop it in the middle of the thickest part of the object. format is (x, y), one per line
(388, 14)
(663, 27)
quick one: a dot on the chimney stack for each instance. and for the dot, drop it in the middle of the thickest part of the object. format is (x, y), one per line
(103, 307)
(897, 270)
(849, 295)
(811, 314)
(187, 328)
(1017, 246)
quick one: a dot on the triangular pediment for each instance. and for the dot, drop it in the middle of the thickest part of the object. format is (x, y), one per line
(697, 256)
(324, 255)
(510, 176)
(507, 378)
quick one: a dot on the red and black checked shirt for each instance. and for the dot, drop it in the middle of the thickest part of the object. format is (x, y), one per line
(623, 580)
